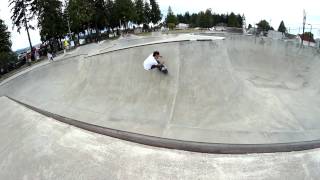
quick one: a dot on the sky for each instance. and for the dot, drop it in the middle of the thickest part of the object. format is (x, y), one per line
(291, 12)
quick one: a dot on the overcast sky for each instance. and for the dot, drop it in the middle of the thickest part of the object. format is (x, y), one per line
(291, 12)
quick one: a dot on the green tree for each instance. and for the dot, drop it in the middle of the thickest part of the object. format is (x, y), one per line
(263, 25)
(100, 17)
(194, 20)
(50, 19)
(205, 19)
(5, 43)
(171, 18)
(233, 21)
(23, 12)
(208, 18)
(146, 13)
(124, 11)
(215, 19)
(6, 54)
(282, 28)
(100, 14)
(187, 17)
(110, 12)
(139, 11)
(249, 26)
(181, 18)
(155, 13)
(240, 20)
(80, 13)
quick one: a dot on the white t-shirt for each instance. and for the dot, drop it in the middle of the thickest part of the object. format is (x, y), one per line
(149, 62)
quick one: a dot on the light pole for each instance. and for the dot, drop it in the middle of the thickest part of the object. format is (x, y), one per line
(310, 34)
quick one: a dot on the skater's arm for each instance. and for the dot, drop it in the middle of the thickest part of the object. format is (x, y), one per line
(160, 60)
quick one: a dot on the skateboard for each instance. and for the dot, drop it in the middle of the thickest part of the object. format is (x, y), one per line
(164, 69)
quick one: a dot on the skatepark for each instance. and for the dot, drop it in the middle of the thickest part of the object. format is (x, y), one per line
(253, 99)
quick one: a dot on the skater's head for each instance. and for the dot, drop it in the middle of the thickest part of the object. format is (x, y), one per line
(156, 54)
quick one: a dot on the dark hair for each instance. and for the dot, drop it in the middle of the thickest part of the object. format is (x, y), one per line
(156, 53)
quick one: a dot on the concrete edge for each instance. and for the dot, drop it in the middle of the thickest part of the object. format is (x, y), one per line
(134, 46)
(200, 147)
(204, 40)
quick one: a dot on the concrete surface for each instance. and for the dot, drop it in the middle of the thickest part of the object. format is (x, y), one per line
(34, 147)
(241, 90)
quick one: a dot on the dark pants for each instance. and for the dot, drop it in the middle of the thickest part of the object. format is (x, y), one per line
(159, 67)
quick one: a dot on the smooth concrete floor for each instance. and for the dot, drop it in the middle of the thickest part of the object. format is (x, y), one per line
(33, 146)
(240, 89)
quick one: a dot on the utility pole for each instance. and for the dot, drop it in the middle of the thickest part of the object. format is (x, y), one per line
(310, 34)
(304, 23)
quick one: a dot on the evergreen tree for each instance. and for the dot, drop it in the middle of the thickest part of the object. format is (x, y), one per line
(263, 25)
(80, 13)
(110, 12)
(208, 18)
(224, 18)
(187, 17)
(233, 21)
(100, 15)
(194, 20)
(240, 20)
(171, 19)
(6, 54)
(23, 13)
(155, 13)
(50, 19)
(181, 18)
(5, 43)
(125, 11)
(215, 19)
(282, 28)
(146, 15)
(139, 11)
(205, 19)
(202, 19)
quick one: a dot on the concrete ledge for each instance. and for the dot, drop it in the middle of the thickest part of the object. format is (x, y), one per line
(139, 45)
(179, 144)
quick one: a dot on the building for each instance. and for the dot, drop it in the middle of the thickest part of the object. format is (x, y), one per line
(275, 34)
(182, 26)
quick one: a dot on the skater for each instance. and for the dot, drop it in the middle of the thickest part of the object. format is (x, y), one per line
(50, 57)
(153, 62)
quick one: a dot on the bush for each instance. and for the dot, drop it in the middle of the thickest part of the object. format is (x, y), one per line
(7, 61)
(171, 25)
